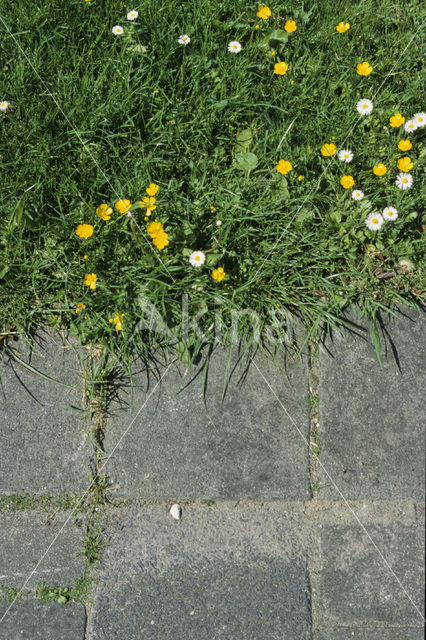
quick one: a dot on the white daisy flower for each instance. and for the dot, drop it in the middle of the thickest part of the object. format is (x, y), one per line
(132, 15)
(410, 125)
(357, 194)
(390, 213)
(346, 155)
(374, 221)
(4, 105)
(184, 39)
(420, 119)
(197, 258)
(117, 30)
(404, 180)
(364, 106)
(234, 47)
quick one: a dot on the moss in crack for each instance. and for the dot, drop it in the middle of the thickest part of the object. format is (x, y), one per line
(46, 502)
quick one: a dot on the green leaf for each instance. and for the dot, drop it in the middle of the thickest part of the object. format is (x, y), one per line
(244, 139)
(212, 258)
(4, 271)
(336, 216)
(278, 35)
(246, 161)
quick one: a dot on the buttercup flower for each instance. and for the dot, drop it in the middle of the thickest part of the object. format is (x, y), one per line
(346, 155)
(374, 221)
(213, 209)
(234, 47)
(84, 230)
(404, 145)
(379, 169)
(158, 235)
(197, 258)
(4, 105)
(85, 256)
(410, 125)
(148, 203)
(420, 119)
(104, 212)
(364, 68)
(405, 164)
(404, 180)
(218, 274)
(390, 213)
(328, 149)
(263, 12)
(184, 39)
(117, 30)
(283, 166)
(280, 68)
(347, 182)
(90, 280)
(152, 189)
(154, 228)
(80, 307)
(357, 195)
(132, 15)
(342, 27)
(290, 26)
(397, 120)
(117, 320)
(300, 178)
(123, 205)
(364, 106)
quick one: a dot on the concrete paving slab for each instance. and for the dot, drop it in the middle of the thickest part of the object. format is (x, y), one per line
(24, 538)
(33, 620)
(223, 571)
(44, 443)
(372, 420)
(349, 633)
(176, 446)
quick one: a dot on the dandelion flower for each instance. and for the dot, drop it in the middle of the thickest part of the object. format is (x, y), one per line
(397, 120)
(4, 105)
(364, 107)
(197, 258)
(80, 307)
(290, 26)
(347, 182)
(104, 212)
(123, 205)
(379, 169)
(283, 166)
(346, 155)
(342, 27)
(263, 12)
(357, 195)
(184, 39)
(117, 30)
(152, 189)
(234, 47)
(90, 280)
(410, 125)
(218, 274)
(117, 320)
(404, 145)
(420, 119)
(405, 164)
(364, 68)
(84, 230)
(404, 180)
(374, 221)
(328, 149)
(132, 15)
(390, 213)
(280, 68)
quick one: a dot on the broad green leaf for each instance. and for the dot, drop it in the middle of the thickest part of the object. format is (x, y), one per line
(278, 35)
(246, 161)
(244, 139)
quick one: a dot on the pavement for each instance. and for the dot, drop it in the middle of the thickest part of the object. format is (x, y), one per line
(301, 483)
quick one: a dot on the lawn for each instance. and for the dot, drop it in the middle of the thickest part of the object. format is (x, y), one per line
(91, 116)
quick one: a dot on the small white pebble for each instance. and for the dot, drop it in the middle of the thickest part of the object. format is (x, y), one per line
(176, 511)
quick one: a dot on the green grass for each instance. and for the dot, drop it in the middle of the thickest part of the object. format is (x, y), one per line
(286, 245)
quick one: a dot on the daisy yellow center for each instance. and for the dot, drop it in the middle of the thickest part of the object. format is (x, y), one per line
(364, 106)
(404, 180)
(197, 257)
(374, 221)
(390, 213)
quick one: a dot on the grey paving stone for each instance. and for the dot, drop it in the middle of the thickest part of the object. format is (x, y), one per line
(357, 588)
(372, 419)
(349, 633)
(44, 444)
(220, 572)
(24, 538)
(33, 620)
(175, 446)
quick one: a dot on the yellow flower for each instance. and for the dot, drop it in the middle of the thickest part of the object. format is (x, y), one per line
(379, 169)
(213, 209)
(342, 27)
(154, 228)
(283, 166)
(90, 280)
(405, 164)
(397, 120)
(80, 307)
(404, 145)
(263, 12)
(117, 320)
(152, 189)
(104, 212)
(218, 274)
(328, 149)
(85, 256)
(123, 205)
(280, 68)
(148, 203)
(290, 26)
(300, 178)
(161, 240)
(364, 68)
(347, 182)
(84, 230)
(273, 53)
